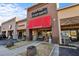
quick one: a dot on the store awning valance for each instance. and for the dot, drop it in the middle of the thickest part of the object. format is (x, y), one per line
(41, 22)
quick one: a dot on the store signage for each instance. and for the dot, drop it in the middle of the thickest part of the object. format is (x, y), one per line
(21, 25)
(39, 12)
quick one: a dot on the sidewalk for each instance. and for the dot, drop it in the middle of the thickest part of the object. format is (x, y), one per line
(23, 48)
(6, 52)
(15, 52)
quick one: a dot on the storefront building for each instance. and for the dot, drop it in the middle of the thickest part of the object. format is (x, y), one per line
(21, 28)
(8, 28)
(69, 20)
(42, 22)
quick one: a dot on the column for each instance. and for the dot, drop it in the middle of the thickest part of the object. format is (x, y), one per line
(6, 33)
(15, 35)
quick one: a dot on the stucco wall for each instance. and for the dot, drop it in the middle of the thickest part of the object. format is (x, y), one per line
(5, 26)
(21, 25)
(69, 12)
(50, 7)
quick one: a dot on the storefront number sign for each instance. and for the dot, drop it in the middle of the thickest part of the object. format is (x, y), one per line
(39, 12)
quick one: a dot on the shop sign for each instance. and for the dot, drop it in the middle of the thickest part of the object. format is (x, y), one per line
(39, 12)
(21, 25)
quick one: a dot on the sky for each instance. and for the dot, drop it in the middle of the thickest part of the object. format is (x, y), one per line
(10, 10)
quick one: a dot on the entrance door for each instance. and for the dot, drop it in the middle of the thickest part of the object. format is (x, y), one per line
(47, 35)
(20, 35)
(4, 34)
(10, 33)
(40, 36)
(34, 35)
(65, 36)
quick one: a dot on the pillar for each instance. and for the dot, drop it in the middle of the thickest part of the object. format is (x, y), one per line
(55, 23)
(29, 34)
(6, 33)
(15, 35)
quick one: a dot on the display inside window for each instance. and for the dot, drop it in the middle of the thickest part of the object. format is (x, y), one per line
(73, 34)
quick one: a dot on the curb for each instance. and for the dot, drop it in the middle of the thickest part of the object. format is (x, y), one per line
(53, 50)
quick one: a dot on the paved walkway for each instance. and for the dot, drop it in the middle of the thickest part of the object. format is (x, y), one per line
(7, 52)
(4, 51)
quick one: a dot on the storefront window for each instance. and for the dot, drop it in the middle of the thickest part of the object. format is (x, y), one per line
(69, 35)
(73, 34)
(65, 34)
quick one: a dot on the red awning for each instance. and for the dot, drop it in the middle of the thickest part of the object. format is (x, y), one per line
(42, 22)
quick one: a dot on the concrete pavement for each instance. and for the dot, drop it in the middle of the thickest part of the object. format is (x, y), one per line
(7, 52)
(15, 52)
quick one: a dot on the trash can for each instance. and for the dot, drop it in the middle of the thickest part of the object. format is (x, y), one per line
(31, 51)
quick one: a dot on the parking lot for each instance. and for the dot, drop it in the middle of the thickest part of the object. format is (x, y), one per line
(69, 51)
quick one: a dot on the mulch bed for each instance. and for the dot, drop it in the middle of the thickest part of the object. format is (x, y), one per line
(43, 49)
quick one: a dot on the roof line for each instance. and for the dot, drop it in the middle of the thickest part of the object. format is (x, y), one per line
(32, 6)
(68, 7)
(22, 20)
(8, 20)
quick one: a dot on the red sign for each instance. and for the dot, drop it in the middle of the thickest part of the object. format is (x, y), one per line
(42, 22)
